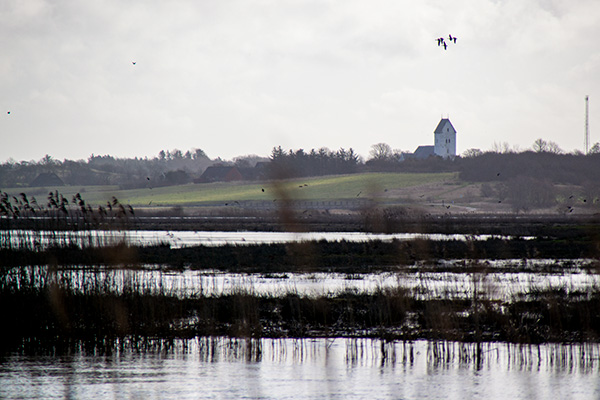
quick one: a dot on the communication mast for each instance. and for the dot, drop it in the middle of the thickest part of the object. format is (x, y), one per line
(586, 140)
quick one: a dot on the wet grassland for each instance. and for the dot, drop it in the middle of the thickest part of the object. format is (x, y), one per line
(60, 289)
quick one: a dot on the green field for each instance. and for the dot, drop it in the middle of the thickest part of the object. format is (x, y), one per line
(338, 187)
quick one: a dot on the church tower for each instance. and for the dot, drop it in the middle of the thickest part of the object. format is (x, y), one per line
(445, 139)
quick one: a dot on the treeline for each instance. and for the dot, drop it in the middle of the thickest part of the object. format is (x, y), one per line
(176, 167)
(298, 163)
(573, 169)
(167, 168)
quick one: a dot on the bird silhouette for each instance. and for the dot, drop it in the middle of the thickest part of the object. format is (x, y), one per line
(134, 62)
(442, 41)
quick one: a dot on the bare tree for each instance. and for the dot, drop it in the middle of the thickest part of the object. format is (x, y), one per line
(381, 152)
(554, 148)
(501, 148)
(595, 148)
(472, 153)
(542, 146)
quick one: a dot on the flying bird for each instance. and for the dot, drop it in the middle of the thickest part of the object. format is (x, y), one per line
(133, 62)
(442, 41)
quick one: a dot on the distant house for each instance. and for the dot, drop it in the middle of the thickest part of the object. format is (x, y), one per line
(47, 179)
(220, 173)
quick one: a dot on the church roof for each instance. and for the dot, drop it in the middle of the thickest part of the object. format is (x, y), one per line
(442, 125)
(423, 152)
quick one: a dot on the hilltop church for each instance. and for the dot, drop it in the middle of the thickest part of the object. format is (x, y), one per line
(444, 143)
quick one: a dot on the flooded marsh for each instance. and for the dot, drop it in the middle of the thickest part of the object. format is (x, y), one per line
(104, 311)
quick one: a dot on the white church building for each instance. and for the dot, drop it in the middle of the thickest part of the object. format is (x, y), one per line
(444, 143)
(445, 139)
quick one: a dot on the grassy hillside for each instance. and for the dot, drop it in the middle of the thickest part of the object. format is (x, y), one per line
(368, 185)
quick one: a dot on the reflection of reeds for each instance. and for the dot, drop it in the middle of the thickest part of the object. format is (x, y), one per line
(554, 357)
(47, 302)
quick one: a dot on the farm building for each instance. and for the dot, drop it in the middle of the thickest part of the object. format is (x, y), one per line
(220, 173)
(47, 179)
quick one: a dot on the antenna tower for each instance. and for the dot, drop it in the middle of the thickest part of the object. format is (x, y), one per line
(586, 140)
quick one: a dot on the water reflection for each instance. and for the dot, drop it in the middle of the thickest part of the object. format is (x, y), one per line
(216, 367)
(40, 239)
(502, 279)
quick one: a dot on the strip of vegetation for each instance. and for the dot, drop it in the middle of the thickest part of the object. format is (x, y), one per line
(53, 312)
(342, 256)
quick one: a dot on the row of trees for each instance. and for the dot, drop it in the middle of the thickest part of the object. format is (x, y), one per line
(314, 163)
(545, 160)
(539, 146)
(169, 167)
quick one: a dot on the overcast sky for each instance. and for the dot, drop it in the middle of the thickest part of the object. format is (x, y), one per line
(240, 77)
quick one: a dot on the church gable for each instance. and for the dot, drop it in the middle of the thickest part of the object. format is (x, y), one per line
(445, 126)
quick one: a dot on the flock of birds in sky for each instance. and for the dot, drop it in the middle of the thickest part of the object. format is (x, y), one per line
(441, 41)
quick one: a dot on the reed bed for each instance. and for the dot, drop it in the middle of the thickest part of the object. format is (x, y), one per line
(27, 225)
(45, 303)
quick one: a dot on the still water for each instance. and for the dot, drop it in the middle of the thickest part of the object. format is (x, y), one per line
(501, 280)
(40, 239)
(221, 368)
